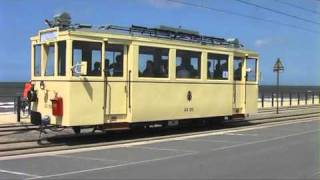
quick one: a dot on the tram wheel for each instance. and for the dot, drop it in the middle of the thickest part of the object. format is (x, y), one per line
(76, 129)
(217, 121)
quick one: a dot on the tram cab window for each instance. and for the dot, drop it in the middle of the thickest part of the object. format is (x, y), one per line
(89, 52)
(49, 50)
(62, 58)
(237, 68)
(153, 62)
(188, 64)
(217, 66)
(37, 60)
(114, 60)
(251, 70)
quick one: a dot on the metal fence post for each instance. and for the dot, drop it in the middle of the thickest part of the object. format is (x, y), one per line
(281, 98)
(298, 98)
(262, 100)
(290, 99)
(18, 108)
(15, 105)
(306, 98)
(272, 99)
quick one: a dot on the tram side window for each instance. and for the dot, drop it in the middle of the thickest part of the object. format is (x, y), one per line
(37, 60)
(62, 58)
(188, 64)
(153, 62)
(251, 69)
(49, 71)
(114, 60)
(89, 52)
(237, 68)
(217, 66)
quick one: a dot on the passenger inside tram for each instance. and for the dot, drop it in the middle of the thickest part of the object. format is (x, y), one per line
(106, 70)
(96, 69)
(148, 72)
(238, 72)
(117, 66)
(183, 70)
(209, 70)
(218, 71)
(160, 69)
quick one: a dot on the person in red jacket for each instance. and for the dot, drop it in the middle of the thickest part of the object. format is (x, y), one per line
(27, 87)
(25, 104)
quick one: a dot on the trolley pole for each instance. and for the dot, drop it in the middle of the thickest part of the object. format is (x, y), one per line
(277, 68)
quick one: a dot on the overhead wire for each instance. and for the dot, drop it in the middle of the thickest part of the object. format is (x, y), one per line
(234, 13)
(278, 12)
(298, 7)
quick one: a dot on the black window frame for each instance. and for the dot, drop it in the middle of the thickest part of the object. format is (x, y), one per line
(192, 54)
(235, 76)
(61, 65)
(49, 61)
(35, 58)
(156, 71)
(107, 69)
(218, 75)
(255, 70)
(89, 63)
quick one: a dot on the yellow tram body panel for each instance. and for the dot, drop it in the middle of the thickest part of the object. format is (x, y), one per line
(170, 101)
(99, 100)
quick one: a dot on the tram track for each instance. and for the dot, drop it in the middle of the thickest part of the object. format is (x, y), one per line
(29, 127)
(66, 142)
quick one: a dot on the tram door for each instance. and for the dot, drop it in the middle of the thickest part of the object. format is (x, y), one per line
(238, 85)
(115, 79)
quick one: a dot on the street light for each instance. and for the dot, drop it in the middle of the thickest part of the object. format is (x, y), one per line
(278, 67)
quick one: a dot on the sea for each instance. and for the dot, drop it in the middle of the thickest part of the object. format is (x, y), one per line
(10, 90)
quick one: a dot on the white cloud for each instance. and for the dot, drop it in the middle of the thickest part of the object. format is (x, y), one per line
(269, 41)
(164, 4)
(261, 42)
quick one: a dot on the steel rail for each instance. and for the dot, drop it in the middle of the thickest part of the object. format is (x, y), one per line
(32, 146)
(29, 127)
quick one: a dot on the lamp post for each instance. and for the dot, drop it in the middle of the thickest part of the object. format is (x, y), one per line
(277, 68)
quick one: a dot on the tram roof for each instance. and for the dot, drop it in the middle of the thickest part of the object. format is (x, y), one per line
(160, 33)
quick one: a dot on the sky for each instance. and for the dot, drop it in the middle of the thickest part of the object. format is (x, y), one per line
(298, 49)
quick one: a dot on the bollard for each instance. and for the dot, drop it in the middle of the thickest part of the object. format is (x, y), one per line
(281, 96)
(290, 99)
(306, 98)
(272, 99)
(298, 98)
(18, 108)
(262, 100)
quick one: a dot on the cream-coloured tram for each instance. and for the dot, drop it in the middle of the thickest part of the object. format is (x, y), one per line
(116, 77)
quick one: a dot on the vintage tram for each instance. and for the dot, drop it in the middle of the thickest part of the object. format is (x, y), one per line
(115, 77)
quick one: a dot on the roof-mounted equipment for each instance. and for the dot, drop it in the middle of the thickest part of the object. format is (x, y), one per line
(61, 20)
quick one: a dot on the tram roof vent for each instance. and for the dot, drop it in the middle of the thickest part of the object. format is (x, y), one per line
(172, 33)
(178, 30)
(235, 42)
